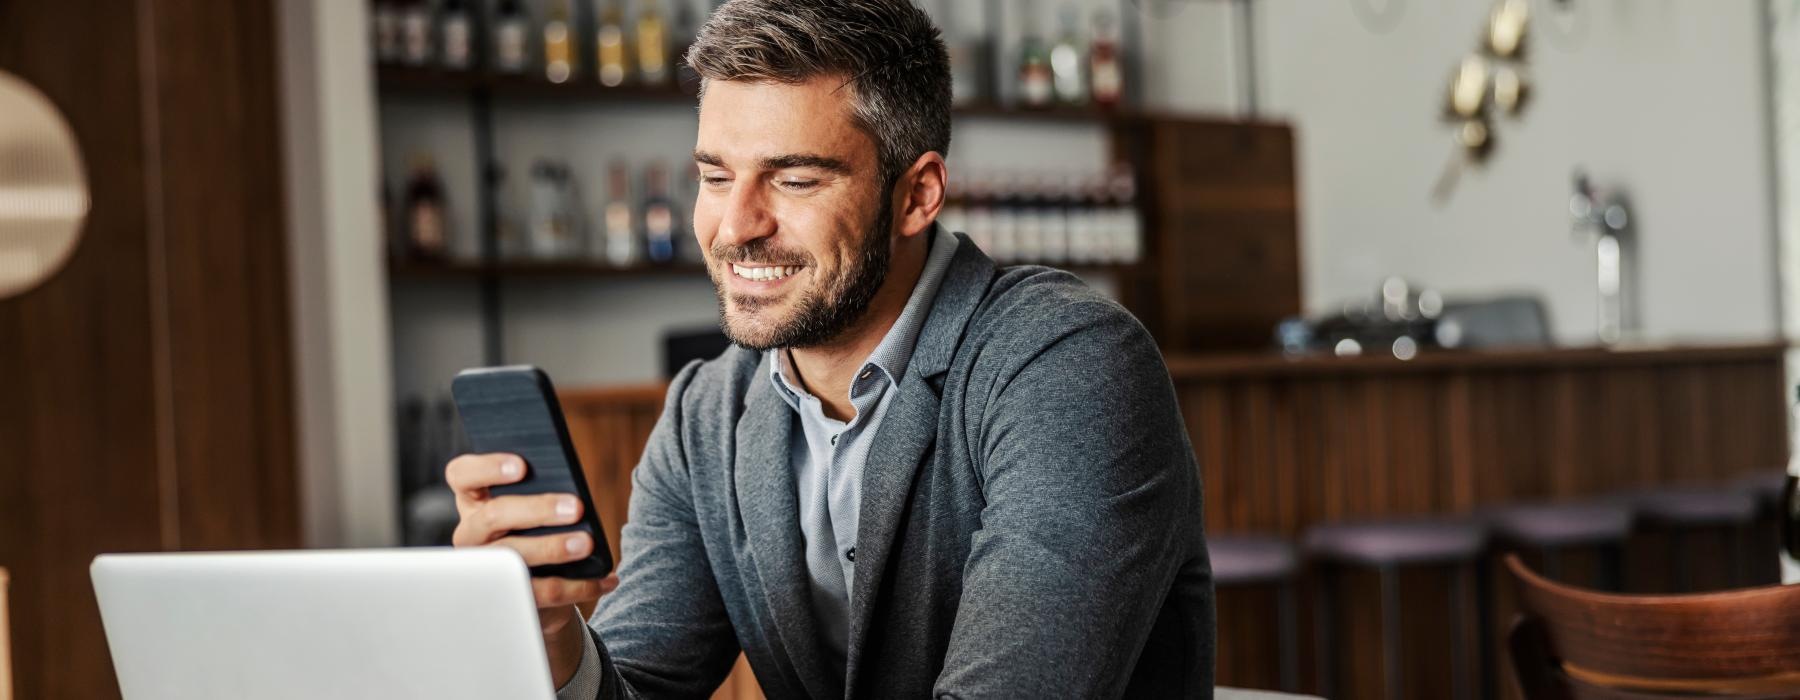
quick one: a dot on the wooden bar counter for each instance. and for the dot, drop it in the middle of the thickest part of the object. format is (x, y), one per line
(1285, 443)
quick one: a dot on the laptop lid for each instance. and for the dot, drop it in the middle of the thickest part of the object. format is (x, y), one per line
(395, 623)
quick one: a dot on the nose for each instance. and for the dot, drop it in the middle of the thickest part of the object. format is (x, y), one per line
(746, 216)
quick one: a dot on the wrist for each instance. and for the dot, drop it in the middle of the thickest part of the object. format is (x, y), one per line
(563, 644)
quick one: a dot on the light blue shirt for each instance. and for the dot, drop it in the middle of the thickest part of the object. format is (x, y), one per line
(828, 464)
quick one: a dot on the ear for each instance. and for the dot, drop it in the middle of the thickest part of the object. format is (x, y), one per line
(920, 194)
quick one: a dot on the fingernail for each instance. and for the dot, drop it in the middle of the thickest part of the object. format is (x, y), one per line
(576, 544)
(567, 507)
(510, 467)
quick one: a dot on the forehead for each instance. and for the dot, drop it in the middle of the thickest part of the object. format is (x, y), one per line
(746, 121)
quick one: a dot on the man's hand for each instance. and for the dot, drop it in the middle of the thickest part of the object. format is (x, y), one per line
(487, 520)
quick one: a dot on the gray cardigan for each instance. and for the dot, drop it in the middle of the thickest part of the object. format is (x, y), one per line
(1031, 519)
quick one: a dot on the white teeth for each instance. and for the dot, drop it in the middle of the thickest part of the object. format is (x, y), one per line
(763, 273)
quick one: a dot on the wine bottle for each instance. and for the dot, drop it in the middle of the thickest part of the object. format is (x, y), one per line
(1105, 72)
(652, 45)
(427, 225)
(610, 44)
(559, 48)
(510, 37)
(415, 33)
(659, 215)
(1036, 87)
(1066, 65)
(453, 34)
(622, 246)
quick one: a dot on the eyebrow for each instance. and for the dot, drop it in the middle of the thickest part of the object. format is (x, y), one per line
(785, 161)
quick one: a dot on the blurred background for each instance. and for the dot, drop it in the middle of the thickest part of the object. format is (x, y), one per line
(1435, 281)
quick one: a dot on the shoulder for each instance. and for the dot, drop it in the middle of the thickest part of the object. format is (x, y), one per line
(1029, 311)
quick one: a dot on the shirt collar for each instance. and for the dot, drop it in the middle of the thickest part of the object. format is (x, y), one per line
(894, 352)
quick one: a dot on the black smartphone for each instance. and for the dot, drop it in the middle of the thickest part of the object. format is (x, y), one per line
(514, 410)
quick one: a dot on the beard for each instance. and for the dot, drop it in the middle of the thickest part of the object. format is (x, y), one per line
(825, 309)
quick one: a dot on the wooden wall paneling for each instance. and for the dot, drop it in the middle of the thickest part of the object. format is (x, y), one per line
(1456, 452)
(1285, 435)
(220, 191)
(147, 384)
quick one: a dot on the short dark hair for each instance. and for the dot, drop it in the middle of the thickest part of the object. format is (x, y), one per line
(888, 51)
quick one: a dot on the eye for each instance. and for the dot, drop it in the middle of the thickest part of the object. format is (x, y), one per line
(797, 185)
(714, 180)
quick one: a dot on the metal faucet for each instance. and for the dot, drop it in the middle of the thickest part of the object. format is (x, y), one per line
(1605, 218)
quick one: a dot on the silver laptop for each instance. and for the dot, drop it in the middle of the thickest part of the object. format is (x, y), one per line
(413, 623)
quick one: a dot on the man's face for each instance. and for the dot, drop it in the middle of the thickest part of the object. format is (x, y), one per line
(791, 212)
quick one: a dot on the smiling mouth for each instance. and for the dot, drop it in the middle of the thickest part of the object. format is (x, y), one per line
(764, 273)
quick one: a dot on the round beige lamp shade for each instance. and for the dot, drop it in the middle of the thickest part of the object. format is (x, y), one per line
(43, 188)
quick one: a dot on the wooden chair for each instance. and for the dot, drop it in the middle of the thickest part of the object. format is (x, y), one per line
(1577, 644)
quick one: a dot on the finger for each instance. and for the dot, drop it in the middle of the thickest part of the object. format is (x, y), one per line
(496, 517)
(550, 549)
(558, 592)
(470, 475)
(609, 584)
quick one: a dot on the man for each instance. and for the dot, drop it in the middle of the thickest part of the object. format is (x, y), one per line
(915, 474)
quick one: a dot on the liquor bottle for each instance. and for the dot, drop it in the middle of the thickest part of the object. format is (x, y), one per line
(966, 52)
(386, 21)
(1066, 65)
(622, 239)
(453, 34)
(1036, 87)
(979, 212)
(954, 216)
(609, 42)
(1104, 69)
(510, 239)
(1790, 503)
(510, 38)
(556, 224)
(1060, 192)
(659, 215)
(1127, 230)
(415, 33)
(652, 45)
(427, 222)
(687, 26)
(689, 250)
(1028, 218)
(1003, 218)
(559, 44)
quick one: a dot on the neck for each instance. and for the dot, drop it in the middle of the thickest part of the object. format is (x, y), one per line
(825, 371)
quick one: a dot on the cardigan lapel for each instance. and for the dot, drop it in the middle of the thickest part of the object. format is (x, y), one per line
(905, 439)
(769, 499)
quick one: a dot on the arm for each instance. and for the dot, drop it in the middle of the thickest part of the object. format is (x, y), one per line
(1092, 505)
(664, 631)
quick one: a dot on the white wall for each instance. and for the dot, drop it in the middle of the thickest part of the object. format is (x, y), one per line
(340, 308)
(1663, 97)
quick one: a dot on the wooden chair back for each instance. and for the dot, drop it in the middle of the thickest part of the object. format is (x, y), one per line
(1577, 643)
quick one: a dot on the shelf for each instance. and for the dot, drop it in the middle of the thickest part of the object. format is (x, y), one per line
(577, 269)
(1060, 113)
(529, 269)
(411, 80)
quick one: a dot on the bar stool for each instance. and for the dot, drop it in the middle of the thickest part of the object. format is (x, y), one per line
(1685, 517)
(1547, 530)
(1767, 486)
(1243, 567)
(1390, 547)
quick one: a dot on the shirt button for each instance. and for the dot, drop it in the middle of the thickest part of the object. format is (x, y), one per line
(834, 440)
(850, 554)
